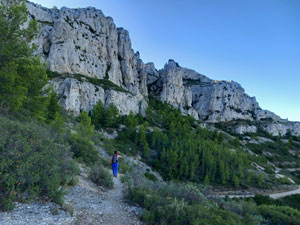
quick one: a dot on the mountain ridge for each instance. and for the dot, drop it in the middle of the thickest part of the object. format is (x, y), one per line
(86, 42)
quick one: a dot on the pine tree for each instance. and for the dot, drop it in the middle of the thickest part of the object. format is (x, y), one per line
(221, 137)
(146, 151)
(235, 180)
(15, 40)
(85, 129)
(183, 167)
(214, 136)
(111, 116)
(222, 172)
(260, 180)
(22, 76)
(156, 137)
(141, 137)
(53, 107)
(192, 170)
(206, 180)
(98, 115)
(173, 162)
(236, 142)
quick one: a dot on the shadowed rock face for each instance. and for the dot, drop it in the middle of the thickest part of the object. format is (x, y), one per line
(84, 41)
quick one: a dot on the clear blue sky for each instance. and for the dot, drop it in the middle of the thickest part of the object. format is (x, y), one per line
(253, 42)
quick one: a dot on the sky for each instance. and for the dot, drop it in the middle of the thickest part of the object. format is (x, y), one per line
(253, 42)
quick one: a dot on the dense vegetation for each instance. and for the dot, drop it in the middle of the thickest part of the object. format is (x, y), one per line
(180, 148)
(166, 139)
(191, 152)
(185, 203)
(281, 150)
(34, 161)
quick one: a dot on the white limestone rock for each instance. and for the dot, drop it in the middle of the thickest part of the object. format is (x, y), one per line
(242, 129)
(266, 115)
(41, 13)
(126, 102)
(197, 95)
(221, 101)
(172, 85)
(281, 128)
(169, 86)
(76, 96)
(84, 41)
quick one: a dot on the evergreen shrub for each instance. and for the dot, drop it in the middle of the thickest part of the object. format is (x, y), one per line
(101, 176)
(32, 163)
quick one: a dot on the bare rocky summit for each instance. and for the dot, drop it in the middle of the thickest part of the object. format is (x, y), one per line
(87, 43)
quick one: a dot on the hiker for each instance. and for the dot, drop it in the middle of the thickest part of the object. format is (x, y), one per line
(114, 163)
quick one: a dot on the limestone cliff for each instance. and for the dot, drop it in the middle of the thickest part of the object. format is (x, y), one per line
(215, 101)
(86, 43)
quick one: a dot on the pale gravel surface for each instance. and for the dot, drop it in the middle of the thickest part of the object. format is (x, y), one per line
(91, 204)
(248, 195)
(283, 194)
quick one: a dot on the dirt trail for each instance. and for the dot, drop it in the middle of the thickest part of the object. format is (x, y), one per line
(93, 206)
(283, 194)
(87, 203)
(115, 211)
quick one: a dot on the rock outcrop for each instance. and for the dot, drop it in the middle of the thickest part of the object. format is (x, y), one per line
(76, 96)
(215, 101)
(242, 129)
(281, 128)
(85, 42)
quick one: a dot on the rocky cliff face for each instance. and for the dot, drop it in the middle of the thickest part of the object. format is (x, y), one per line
(85, 42)
(215, 101)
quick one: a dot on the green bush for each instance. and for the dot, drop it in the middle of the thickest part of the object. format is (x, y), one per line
(83, 149)
(101, 176)
(278, 215)
(105, 162)
(165, 210)
(32, 163)
(124, 167)
(292, 201)
(105, 117)
(247, 210)
(264, 200)
(190, 192)
(150, 176)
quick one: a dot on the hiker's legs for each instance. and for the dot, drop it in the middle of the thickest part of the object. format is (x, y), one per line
(113, 165)
(116, 169)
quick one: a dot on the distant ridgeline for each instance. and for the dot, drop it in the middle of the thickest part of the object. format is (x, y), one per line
(86, 43)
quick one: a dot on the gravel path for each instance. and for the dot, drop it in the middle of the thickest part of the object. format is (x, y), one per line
(93, 206)
(273, 195)
(283, 194)
(88, 204)
(115, 211)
